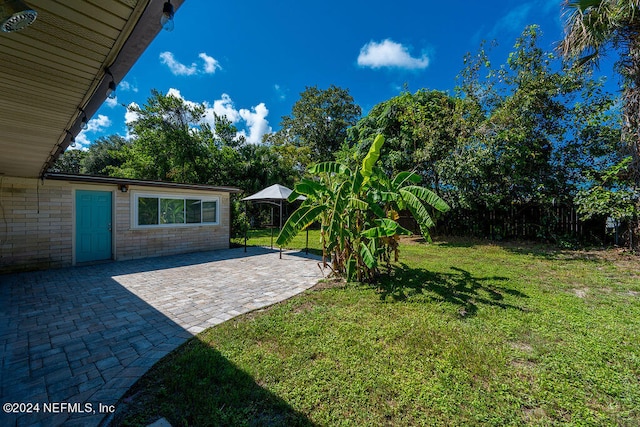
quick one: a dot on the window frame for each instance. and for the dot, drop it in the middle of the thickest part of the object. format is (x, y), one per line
(137, 195)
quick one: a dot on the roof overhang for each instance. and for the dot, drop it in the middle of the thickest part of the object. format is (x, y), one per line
(55, 71)
(95, 179)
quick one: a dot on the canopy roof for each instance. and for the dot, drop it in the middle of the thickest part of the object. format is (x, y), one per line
(275, 192)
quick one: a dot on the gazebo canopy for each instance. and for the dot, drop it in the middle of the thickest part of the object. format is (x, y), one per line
(273, 195)
(276, 192)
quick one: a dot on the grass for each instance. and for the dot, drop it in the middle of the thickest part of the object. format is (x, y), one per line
(460, 333)
(263, 237)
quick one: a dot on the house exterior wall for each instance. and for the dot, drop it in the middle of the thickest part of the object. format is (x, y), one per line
(134, 242)
(37, 225)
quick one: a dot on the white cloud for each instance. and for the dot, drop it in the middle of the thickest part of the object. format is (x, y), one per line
(176, 94)
(122, 87)
(111, 102)
(280, 92)
(209, 67)
(125, 86)
(210, 63)
(173, 92)
(256, 120)
(131, 116)
(99, 124)
(388, 53)
(176, 67)
(82, 142)
(223, 107)
(513, 22)
(252, 123)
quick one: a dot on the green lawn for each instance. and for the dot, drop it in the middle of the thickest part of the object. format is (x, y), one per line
(460, 333)
(264, 238)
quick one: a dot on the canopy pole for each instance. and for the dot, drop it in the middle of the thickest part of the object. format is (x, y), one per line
(280, 229)
(246, 231)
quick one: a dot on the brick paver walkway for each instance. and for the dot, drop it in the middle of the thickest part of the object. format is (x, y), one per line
(84, 335)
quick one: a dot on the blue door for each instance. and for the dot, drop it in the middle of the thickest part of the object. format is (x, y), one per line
(93, 225)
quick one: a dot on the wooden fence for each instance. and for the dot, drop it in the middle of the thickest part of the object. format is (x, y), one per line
(529, 222)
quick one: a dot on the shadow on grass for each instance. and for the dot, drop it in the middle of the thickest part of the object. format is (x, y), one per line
(457, 242)
(537, 249)
(554, 253)
(459, 287)
(198, 386)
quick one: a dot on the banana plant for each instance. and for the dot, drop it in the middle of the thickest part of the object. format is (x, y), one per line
(358, 213)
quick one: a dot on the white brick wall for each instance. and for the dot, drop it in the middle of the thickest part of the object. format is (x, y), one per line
(36, 226)
(140, 243)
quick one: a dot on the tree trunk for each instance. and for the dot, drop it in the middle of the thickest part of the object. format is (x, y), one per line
(631, 127)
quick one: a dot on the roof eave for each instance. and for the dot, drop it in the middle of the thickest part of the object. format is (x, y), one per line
(143, 33)
(96, 179)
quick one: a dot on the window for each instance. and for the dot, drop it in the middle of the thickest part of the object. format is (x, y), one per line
(170, 210)
(147, 211)
(209, 211)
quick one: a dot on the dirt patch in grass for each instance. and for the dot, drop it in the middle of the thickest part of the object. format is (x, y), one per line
(522, 346)
(449, 241)
(328, 284)
(523, 365)
(580, 293)
(303, 308)
(412, 240)
(621, 257)
(535, 415)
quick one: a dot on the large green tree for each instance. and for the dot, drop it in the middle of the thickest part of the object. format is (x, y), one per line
(534, 128)
(523, 133)
(69, 162)
(319, 120)
(592, 27)
(104, 155)
(421, 129)
(530, 120)
(170, 141)
(491, 145)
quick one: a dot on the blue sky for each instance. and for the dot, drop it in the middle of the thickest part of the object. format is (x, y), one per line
(250, 60)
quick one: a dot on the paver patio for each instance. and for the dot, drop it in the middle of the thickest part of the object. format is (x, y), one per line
(84, 335)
